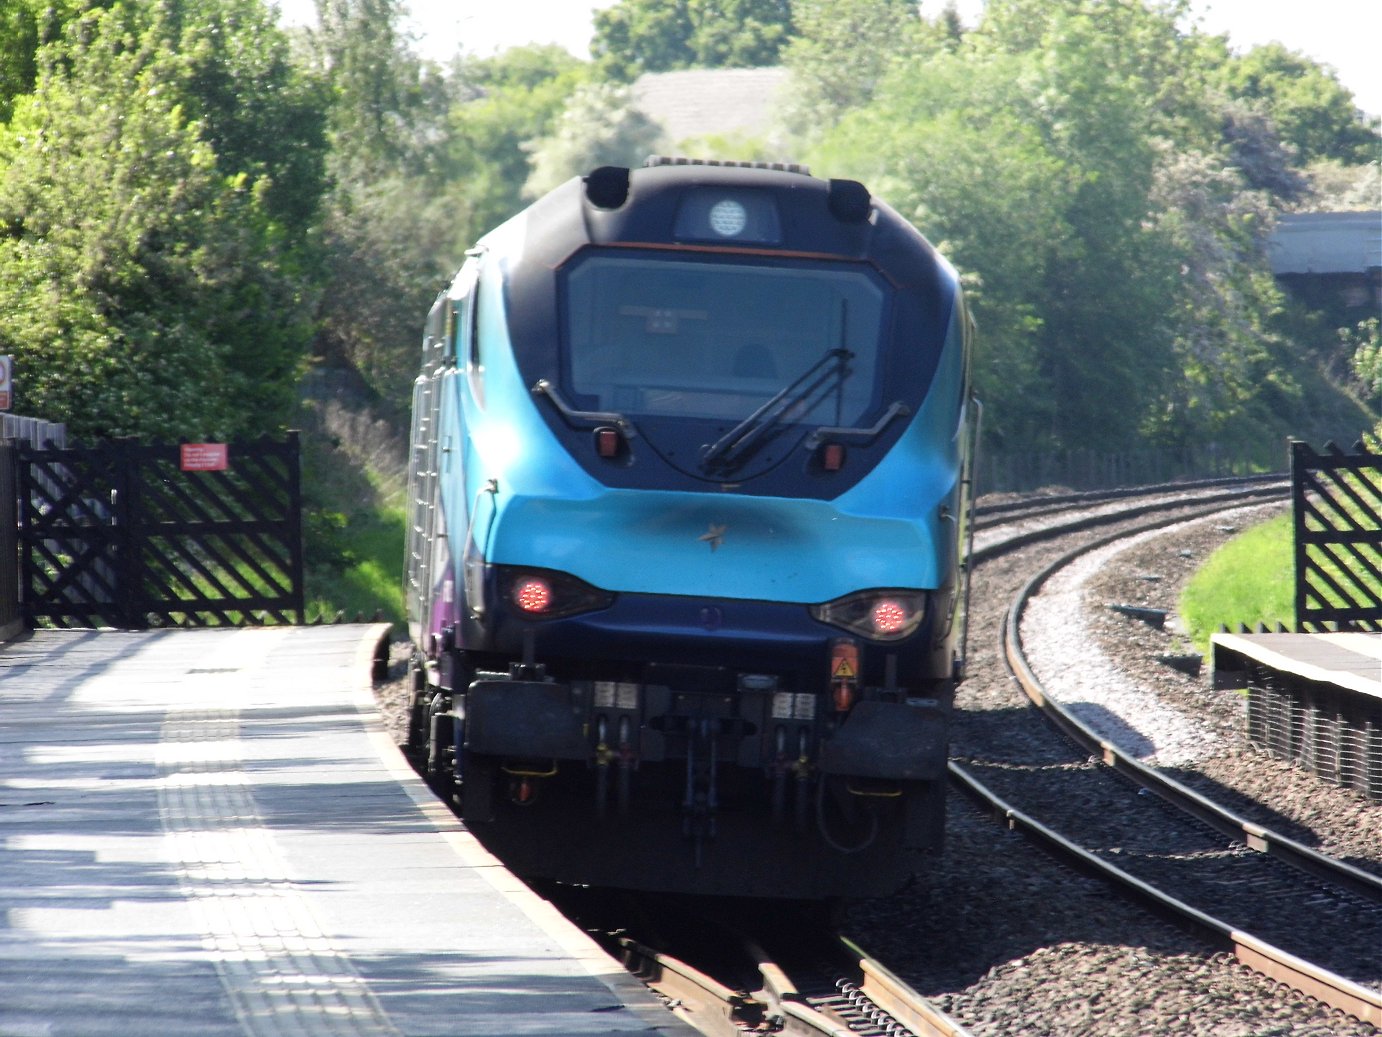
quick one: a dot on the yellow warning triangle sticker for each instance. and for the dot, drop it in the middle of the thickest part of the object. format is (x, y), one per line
(843, 670)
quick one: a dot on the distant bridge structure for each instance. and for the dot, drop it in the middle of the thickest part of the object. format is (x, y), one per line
(1334, 255)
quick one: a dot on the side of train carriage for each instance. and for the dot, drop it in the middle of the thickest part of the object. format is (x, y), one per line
(686, 579)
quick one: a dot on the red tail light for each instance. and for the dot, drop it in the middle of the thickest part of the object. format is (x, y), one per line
(881, 615)
(532, 594)
(546, 593)
(888, 616)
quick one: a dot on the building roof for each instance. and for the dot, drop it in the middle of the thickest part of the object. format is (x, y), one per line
(711, 102)
(1327, 243)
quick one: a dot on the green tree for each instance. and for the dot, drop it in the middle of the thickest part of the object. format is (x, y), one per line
(1255, 148)
(1336, 187)
(146, 288)
(840, 53)
(992, 213)
(389, 232)
(1365, 341)
(598, 127)
(18, 42)
(637, 36)
(261, 115)
(387, 103)
(1025, 152)
(24, 25)
(1312, 110)
(1234, 369)
(507, 102)
(1073, 159)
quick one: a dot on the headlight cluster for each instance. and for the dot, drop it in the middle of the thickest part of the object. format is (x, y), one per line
(879, 615)
(547, 594)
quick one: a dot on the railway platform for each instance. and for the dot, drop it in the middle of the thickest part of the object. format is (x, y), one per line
(1314, 699)
(209, 832)
(1347, 660)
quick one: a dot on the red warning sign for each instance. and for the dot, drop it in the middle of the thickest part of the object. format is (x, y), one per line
(204, 457)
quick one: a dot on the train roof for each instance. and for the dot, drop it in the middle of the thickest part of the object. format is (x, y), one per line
(765, 208)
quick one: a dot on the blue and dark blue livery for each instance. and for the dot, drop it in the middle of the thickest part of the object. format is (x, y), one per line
(690, 485)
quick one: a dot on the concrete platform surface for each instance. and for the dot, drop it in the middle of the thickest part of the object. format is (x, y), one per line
(1347, 660)
(206, 833)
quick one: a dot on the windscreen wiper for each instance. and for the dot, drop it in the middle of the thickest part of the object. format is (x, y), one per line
(736, 445)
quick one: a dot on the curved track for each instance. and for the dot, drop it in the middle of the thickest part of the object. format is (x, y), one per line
(1331, 912)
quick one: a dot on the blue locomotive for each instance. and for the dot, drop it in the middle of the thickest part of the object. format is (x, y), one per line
(690, 481)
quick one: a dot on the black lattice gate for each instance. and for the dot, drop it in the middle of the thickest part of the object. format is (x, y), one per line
(134, 536)
(1338, 530)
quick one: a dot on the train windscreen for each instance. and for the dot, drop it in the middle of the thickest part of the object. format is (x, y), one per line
(715, 337)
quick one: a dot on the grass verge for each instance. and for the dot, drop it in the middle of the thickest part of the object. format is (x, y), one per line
(354, 519)
(1250, 580)
(363, 578)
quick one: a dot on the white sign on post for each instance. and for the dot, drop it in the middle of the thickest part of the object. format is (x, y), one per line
(6, 388)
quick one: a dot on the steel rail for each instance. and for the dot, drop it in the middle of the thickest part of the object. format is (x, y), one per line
(1226, 822)
(1333, 990)
(898, 999)
(871, 990)
(698, 999)
(1063, 501)
(1244, 490)
(1327, 987)
(718, 1010)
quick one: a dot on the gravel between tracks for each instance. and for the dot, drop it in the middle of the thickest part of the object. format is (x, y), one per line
(1174, 720)
(1013, 947)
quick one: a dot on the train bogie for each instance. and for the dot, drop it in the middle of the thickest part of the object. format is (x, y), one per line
(686, 571)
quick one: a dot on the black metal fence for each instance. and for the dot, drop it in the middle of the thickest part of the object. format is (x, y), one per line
(1337, 499)
(134, 536)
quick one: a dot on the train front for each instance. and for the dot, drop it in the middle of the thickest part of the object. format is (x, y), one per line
(701, 621)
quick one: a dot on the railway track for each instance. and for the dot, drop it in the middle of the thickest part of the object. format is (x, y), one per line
(1243, 886)
(845, 992)
(1317, 927)
(1021, 508)
(1003, 528)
